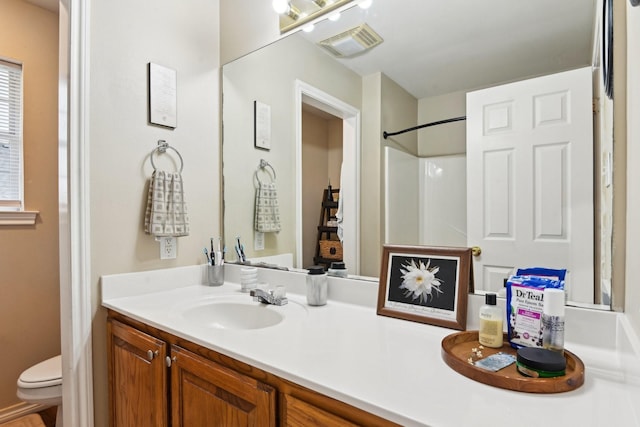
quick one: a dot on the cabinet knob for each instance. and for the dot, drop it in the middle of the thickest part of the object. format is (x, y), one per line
(151, 354)
(169, 360)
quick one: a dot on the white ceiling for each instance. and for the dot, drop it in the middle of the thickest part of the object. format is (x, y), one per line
(435, 47)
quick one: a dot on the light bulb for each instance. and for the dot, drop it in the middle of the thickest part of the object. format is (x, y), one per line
(365, 4)
(280, 6)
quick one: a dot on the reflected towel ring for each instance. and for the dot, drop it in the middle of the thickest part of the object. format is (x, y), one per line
(263, 165)
(162, 148)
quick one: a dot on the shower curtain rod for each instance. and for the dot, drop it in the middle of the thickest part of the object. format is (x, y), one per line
(385, 134)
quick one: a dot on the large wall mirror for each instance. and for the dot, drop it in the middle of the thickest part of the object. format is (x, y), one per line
(326, 115)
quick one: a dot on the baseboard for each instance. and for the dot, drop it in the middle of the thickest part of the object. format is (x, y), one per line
(18, 410)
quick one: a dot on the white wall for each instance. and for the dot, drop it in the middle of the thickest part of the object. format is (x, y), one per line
(402, 197)
(443, 198)
(124, 37)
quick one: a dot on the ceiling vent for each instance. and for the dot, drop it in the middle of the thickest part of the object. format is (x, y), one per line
(352, 42)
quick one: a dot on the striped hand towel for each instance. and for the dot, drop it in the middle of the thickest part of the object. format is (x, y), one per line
(267, 212)
(166, 213)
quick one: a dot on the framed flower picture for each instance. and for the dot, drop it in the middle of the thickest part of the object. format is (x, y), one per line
(425, 284)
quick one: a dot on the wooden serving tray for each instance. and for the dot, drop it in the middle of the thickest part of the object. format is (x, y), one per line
(456, 349)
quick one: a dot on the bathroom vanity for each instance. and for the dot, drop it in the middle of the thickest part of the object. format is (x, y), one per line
(187, 352)
(204, 387)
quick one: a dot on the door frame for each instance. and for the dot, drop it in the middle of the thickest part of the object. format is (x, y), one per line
(351, 147)
(74, 206)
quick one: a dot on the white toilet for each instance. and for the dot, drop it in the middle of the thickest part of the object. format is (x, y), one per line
(42, 383)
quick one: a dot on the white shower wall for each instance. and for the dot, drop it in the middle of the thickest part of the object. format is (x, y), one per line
(443, 201)
(402, 197)
(425, 199)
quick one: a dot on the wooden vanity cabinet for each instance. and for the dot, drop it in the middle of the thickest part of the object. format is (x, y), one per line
(158, 379)
(298, 413)
(204, 393)
(137, 377)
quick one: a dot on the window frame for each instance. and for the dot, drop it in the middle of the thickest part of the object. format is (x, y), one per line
(12, 211)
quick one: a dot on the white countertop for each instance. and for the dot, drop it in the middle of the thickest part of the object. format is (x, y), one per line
(389, 367)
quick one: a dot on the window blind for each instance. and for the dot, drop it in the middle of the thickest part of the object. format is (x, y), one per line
(11, 190)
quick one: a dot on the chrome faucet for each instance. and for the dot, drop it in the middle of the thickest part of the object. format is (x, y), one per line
(267, 297)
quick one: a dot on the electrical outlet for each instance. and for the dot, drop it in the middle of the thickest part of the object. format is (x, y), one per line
(258, 241)
(168, 248)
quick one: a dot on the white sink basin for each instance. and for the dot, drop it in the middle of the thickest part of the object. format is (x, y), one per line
(237, 312)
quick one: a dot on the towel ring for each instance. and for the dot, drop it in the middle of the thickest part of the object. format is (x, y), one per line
(263, 165)
(162, 148)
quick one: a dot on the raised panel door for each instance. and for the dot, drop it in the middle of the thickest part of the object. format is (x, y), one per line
(205, 393)
(137, 377)
(298, 413)
(530, 179)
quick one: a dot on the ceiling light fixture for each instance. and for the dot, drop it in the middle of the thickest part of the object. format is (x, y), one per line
(334, 16)
(295, 14)
(365, 4)
(308, 28)
(280, 6)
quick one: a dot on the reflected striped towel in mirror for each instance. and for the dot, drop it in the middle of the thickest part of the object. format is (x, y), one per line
(166, 213)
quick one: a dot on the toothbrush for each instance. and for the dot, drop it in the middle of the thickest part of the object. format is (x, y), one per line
(219, 253)
(240, 250)
(206, 254)
(243, 257)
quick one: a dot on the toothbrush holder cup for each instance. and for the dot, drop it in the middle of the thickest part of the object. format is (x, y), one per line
(215, 275)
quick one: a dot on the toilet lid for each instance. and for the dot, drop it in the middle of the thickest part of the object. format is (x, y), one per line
(44, 374)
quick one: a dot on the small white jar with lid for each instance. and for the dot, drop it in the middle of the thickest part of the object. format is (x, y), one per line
(337, 269)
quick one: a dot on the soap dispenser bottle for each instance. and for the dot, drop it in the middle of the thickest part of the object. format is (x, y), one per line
(553, 320)
(490, 334)
(316, 285)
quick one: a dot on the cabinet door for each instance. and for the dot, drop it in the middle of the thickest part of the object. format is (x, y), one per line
(298, 413)
(137, 377)
(205, 393)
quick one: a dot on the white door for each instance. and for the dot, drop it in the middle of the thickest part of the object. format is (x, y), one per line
(530, 179)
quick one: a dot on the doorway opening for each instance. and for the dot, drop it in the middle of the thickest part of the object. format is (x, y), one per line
(312, 175)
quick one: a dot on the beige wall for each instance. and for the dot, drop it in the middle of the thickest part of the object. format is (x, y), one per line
(386, 107)
(125, 36)
(321, 160)
(632, 300)
(255, 30)
(29, 283)
(399, 110)
(450, 138)
(370, 177)
(269, 76)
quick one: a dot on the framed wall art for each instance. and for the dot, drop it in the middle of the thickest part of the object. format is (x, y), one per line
(425, 284)
(261, 125)
(162, 95)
